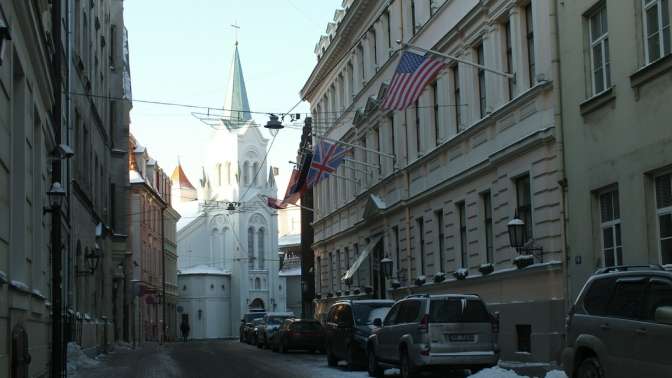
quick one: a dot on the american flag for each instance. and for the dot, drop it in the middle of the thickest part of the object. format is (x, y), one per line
(326, 159)
(412, 75)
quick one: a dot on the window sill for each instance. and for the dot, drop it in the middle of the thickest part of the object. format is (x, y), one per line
(597, 101)
(651, 71)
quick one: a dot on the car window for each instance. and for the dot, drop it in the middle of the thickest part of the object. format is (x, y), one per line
(392, 314)
(346, 316)
(659, 294)
(409, 312)
(458, 310)
(626, 300)
(365, 313)
(597, 297)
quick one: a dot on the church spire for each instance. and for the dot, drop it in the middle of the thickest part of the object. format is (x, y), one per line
(236, 104)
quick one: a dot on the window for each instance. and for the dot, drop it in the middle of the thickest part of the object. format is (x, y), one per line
(347, 258)
(360, 54)
(331, 271)
(386, 18)
(250, 248)
(524, 204)
(260, 248)
(458, 101)
(656, 29)
(413, 26)
(664, 216)
(487, 223)
(397, 259)
(610, 228)
(341, 93)
(480, 58)
(338, 267)
(599, 50)
(509, 56)
(409, 312)
(463, 234)
(351, 85)
(379, 146)
(529, 31)
(418, 131)
(440, 235)
(597, 297)
(524, 337)
(659, 294)
(421, 244)
(435, 106)
(393, 142)
(626, 302)
(375, 47)
(318, 274)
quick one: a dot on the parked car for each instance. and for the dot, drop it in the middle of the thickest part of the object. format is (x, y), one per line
(621, 325)
(266, 331)
(347, 327)
(246, 323)
(304, 334)
(434, 332)
(252, 329)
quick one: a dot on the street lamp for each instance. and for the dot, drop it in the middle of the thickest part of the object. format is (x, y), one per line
(274, 123)
(92, 259)
(56, 194)
(522, 242)
(516, 232)
(386, 266)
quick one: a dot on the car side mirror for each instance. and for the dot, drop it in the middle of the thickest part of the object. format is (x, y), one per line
(377, 322)
(663, 315)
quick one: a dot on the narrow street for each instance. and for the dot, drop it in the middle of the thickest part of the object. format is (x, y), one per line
(203, 359)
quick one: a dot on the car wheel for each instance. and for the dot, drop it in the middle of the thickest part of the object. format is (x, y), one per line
(373, 368)
(331, 359)
(350, 358)
(406, 367)
(590, 368)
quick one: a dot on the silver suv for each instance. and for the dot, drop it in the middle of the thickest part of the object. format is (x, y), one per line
(621, 325)
(437, 332)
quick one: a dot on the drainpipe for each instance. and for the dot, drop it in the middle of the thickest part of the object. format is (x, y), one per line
(559, 122)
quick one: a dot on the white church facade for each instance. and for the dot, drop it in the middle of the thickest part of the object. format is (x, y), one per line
(227, 240)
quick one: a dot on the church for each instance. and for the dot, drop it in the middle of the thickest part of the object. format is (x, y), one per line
(227, 239)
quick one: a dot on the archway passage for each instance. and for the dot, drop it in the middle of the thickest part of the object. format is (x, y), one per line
(257, 305)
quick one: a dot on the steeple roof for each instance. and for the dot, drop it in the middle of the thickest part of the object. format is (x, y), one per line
(236, 104)
(180, 179)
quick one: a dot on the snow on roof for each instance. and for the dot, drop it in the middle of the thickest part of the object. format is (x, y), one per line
(203, 269)
(289, 240)
(134, 177)
(290, 272)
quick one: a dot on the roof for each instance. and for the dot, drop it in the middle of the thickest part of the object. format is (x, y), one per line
(180, 179)
(203, 269)
(290, 272)
(134, 177)
(236, 104)
(292, 240)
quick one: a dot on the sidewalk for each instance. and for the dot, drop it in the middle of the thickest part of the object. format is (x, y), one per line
(150, 360)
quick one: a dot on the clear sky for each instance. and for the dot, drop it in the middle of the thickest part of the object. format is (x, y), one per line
(181, 52)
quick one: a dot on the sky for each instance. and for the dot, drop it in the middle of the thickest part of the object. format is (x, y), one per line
(181, 52)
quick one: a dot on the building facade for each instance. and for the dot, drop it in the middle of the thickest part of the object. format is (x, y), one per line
(170, 219)
(228, 232)
(435, 186)
(149, 203)
(615, 102)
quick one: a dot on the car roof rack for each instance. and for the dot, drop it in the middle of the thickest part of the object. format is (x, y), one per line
(627, 268)
(417, 296)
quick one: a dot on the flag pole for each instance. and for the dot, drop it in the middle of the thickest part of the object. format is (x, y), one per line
(434, 52)
(393, 157)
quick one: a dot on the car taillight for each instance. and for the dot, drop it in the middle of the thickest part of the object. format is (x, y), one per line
(424, 323)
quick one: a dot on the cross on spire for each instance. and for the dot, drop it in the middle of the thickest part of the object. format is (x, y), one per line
(236, 27)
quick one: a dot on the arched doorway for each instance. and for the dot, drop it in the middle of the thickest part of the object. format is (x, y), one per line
(257, 305)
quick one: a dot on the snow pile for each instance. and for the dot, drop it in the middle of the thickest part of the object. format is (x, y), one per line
(77, 359)
(497, 372)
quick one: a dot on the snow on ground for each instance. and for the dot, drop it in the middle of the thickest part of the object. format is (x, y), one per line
(77, 359)
(497, 372)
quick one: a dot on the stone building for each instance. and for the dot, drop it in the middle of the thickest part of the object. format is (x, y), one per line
(227, 240)
(151, 243)
(617, 137)
(170, 219)
(434, 187)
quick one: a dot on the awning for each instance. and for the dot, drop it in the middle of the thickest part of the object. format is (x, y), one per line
(360, 259)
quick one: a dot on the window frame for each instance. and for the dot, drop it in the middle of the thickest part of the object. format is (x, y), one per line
(529, 38)
(486, 200)
(661, 212)
(508, 54)
(420, 222)
(525, 208)
(603, 42)
(612, 224)
(457, 98)
(482, 89)
(646, 5)
(440, 234)
(462, 223)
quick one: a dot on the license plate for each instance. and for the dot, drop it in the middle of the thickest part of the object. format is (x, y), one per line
(461, 338)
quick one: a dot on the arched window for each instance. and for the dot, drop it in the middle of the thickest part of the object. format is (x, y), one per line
(255, 177)
(260, 248)
(250, 248)
(228, 172)
(219, 174)
(246, 173)
(257, 283)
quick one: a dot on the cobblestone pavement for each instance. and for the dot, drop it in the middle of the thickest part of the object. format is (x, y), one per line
(205, 359)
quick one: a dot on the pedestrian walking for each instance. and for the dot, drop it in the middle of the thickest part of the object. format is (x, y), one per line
(184, 328)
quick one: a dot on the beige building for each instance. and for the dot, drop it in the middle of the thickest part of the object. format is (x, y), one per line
(170, 218)
(450, 172)
(616, 118)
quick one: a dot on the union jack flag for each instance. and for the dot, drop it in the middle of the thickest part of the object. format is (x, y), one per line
(326, 159)
(412, 75)
(295, 189)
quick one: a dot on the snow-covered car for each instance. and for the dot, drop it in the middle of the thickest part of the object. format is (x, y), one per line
(621, 325)
(267, 330)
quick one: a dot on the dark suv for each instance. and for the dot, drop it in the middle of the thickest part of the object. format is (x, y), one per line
(246, 324)
(347, 327)
(621, 325)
